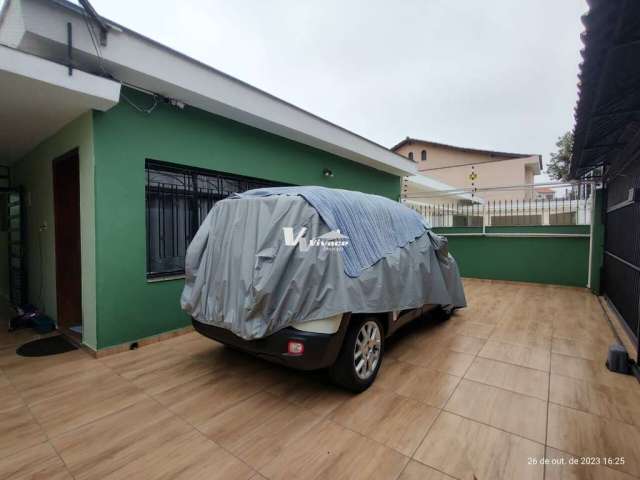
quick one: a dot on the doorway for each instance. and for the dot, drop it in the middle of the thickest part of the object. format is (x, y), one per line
(66, 199)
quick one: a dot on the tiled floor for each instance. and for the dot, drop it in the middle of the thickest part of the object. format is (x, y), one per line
(517, 376)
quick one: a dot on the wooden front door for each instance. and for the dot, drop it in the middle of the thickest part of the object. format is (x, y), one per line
(66, 197)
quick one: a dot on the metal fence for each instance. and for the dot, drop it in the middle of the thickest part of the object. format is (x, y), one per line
(569, 204)
(621, 268)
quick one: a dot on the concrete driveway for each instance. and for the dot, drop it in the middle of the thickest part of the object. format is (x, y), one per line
(515, 378)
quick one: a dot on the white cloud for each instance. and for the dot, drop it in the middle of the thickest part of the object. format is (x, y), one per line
(497, 74)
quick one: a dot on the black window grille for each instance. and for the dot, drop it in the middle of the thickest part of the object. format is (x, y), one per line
(423, 156)
(178, 199)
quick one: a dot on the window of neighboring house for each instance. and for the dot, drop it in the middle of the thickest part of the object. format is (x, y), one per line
(410, 155)
(423, 156)
(178, 199)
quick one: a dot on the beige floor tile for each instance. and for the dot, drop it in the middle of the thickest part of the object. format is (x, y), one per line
(590, 350)
(521, 335)
(590, 370)
(447, 338)
(310, 392)
(396, 421)
(292, 425)
(85, 402)
(65, 381)
(523, 356)
(510, 377)
(416, 354)
(443, 360)
(108, 445)
(9, 397)
(417, 471)
(186, 457)
(208, 395)
(475, 329)
(18, 430)
(37, 462)
(561, 468)
(585, 434)
(29, 372)
(463, 448)
(513, 412)
(257, 476)
(331, 451)
(393, 374)
(593, 330)
(622, 404)
(158, 370)
(429, 386)
(260, 428)
(465, 344)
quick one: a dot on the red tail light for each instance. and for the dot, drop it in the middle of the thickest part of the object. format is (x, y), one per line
(295, 347)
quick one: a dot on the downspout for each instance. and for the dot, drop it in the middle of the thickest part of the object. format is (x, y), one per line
(591, 239)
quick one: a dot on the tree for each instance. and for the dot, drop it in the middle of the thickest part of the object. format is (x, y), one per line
(558, 166)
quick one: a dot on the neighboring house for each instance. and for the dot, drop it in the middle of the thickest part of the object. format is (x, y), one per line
(118, 146)
(545, 193)
(469, 168)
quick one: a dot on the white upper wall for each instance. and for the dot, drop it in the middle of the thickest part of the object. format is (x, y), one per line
(40, 27)
(38, 97)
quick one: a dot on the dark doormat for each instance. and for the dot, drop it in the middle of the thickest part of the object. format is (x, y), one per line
(46, 346)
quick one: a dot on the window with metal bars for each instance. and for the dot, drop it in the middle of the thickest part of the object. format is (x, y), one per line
(178, 198)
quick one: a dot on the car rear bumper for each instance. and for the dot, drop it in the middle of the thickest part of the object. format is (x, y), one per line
(320, 349)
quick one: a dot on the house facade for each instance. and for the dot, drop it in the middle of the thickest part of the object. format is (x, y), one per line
(466, 169)
(126, 147)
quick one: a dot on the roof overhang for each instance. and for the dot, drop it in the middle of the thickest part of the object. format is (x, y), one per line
(39, 27)
(607, 115)
(535, 163)
(490, 153)
(39, 97)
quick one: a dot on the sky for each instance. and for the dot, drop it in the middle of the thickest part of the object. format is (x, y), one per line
(492, 74)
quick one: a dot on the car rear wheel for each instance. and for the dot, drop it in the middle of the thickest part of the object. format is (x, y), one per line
(441, 314)
(361, 355)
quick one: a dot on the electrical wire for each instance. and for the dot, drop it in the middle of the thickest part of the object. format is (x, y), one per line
(146, 111)
(96, 45)
(95, 42)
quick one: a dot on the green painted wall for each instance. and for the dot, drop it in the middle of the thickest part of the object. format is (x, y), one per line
(128, 306)
(550, 260)
(35, 174)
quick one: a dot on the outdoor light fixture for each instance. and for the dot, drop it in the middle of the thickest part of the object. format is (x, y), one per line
(327, 173)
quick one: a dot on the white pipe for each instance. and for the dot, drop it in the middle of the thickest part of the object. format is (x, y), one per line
(593, 219)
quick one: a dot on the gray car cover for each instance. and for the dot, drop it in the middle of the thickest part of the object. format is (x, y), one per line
(245, 274)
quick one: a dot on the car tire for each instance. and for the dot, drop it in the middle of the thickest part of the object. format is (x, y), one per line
(441, 314)
(363, 342)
